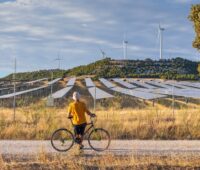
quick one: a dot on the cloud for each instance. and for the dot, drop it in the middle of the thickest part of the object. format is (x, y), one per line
(183, 1)
(35, 31)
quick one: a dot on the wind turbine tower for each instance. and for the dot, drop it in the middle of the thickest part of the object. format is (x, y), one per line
(125, 43)
(103, 53)
(161, 29)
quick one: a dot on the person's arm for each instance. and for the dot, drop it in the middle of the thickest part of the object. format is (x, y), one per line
(89, 113)
(70, 112)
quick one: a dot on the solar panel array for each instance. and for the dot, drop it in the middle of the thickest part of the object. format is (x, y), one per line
(187, 92)
(107, 83)
(89, 82)
(124, 83)
(54, 81)
(71, 82)
(190, 84)
(21, 92)
(5, 88)
(180, 92)
(131, 92)
(36, 81)
(63, 92)
(138, 94)
(96, 92)
(143, 89)
(141, 83)
(158, 84)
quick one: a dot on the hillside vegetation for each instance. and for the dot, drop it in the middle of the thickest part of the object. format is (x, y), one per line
(177, 68)
(34, 75)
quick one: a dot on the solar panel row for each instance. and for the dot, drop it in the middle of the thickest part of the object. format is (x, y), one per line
(176, 92)
(190, 84)
(107, 83)
(71, 82)
(159, 84)
(124, 83)
(131, 92)
(63, 92)
(35, 81)
(141, 83)
(5, 88)
(96, 92)
(54, 81)
(21, 92)
(89, 82)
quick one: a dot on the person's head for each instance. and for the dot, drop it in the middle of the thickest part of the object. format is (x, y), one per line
(76, 96)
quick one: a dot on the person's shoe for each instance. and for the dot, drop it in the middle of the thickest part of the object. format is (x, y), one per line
(81, 146)
(77, 140)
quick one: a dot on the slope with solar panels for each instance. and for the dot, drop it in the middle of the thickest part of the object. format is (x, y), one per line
(96, 92)
(63, 92)
(138, 89)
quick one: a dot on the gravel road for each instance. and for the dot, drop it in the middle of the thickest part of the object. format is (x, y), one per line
(117, 147)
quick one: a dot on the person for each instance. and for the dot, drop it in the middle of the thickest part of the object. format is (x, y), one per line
(76, 112)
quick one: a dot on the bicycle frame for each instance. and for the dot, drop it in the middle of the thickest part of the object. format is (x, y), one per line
(90, 127)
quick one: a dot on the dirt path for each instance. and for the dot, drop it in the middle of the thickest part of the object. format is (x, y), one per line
(117, 147)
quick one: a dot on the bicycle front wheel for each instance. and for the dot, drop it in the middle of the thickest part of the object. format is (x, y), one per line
(99, 139)
(62, 140)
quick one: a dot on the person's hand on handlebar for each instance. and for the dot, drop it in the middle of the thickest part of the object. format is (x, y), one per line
(92, 115)
(70, 117)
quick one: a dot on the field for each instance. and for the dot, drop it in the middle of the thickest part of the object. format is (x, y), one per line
(126, 118)
(37, 121)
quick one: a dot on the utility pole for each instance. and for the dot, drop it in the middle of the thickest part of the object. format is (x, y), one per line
(95, 99)
(58, 59)
(51, 83)
(14, 89)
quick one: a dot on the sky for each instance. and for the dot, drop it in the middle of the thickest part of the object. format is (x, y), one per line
(36, 32)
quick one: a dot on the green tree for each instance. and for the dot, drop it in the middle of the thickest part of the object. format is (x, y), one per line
(195, 18)
(198, 68)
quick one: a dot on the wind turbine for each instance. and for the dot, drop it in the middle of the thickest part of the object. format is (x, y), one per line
(160, 31)
(125, 42)
(103, 53)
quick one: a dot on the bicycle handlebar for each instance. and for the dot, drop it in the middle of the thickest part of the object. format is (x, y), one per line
(91, 116)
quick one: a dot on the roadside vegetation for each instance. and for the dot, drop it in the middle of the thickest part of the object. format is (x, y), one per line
(113, 162)
(37, 121)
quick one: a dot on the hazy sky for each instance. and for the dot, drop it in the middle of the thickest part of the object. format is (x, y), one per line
(37, 31)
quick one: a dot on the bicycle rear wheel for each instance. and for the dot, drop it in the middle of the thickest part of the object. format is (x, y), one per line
(62, 140)
(99, 139)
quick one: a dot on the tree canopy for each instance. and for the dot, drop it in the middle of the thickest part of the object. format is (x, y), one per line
(198, 68)
(195, 18)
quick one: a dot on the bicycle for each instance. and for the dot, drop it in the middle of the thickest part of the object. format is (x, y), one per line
(98, 138)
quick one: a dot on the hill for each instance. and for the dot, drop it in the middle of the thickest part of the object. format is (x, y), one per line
(33, 75)
(176, 68)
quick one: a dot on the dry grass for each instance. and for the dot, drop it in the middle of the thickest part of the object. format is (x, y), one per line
(65, 161)
(37, 121)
